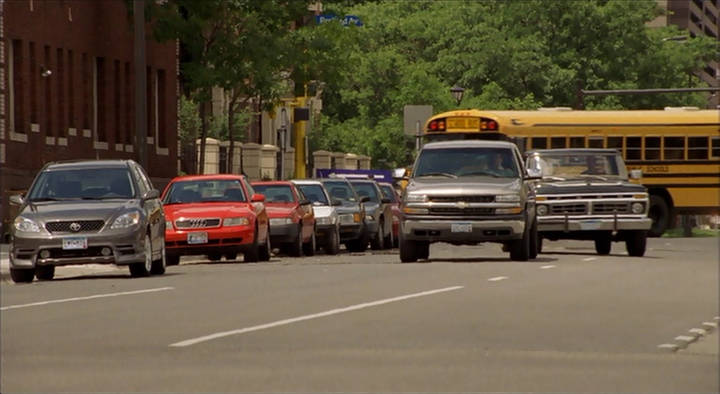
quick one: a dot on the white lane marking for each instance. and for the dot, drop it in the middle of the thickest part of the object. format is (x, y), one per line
(497, 278)
(86, 298)
(670, 346)
(210, 337)
(590, 259)
(545, 267)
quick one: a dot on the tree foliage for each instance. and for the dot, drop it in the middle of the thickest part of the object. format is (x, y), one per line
(506, 54)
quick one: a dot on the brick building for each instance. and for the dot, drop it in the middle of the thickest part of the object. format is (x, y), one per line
(67, 89)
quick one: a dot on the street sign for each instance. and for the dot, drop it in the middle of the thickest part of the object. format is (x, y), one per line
(414, 117)
(347, 20)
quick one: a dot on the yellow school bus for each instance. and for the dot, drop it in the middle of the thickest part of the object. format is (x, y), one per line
(677, 149)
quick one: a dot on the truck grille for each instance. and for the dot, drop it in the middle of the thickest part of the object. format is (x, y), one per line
(75, 226)
(570, 209)
(197, 223)
(462, 211)
(462, 198)
(611, 207)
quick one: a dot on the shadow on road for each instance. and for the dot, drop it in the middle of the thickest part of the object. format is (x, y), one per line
(490, 260)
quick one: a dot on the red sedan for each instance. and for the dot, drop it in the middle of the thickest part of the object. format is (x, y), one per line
(215, 215)
(292, 219)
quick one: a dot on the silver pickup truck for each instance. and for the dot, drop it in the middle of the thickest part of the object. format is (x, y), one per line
(465, 193)
(585, 194)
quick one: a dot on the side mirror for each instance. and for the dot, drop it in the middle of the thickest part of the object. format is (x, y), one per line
(17, 199)
(257, 197)
(534, 173)
(364, 199)
(635, 174)
(151, 194)
(305, 202)
(386, 200)
(336, 203)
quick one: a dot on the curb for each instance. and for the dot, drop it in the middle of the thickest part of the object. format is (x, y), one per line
(682, 342)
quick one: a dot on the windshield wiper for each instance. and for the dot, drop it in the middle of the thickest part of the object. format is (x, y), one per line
(445, 174)
(482, 173)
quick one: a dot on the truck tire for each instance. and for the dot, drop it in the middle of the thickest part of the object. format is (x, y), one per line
(408, 251)
(659, 212)
(20, 275)
(45, 272)
(520, 248)
(534, 241)
(603, 243)
(636, 242)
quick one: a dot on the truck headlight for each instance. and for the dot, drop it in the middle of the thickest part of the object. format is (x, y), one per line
(326, 220)
(542, 210)
(416, 198)
(507, 198)
(637, 207)
(238, 221)
(26, 225)
(127, 220)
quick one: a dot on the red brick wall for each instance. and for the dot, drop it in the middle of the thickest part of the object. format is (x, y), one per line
(73, 29)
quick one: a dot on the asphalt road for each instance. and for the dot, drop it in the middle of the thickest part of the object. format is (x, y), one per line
(469, 320)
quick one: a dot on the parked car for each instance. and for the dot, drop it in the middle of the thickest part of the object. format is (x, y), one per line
(215, 215)
(292, 218)
(80, 212)
(586, 194)
(327, 229)
(351, 213)
(378, 213)
(391, 193)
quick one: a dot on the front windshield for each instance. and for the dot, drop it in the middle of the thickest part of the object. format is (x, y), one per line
(461, 162)
(199, 191)
(340, 191)
(366, 189)
(276, 193)
(388, 192)
(314, 193)
(86, 184)
(575, 164)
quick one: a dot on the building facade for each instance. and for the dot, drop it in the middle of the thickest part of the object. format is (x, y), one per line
(67, 89)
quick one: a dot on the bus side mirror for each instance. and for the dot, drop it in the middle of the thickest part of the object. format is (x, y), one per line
(635, 174)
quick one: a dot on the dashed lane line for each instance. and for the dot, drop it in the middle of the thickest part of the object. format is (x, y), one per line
(590, 259)
(278, 323)
(92, 297)
(497, 278)
(545, 267)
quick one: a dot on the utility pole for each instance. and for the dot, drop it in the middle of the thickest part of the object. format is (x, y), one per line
(140, 83)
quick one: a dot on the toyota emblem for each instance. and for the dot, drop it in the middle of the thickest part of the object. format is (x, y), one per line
(75, 226)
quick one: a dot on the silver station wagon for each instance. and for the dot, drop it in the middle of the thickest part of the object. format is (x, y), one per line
(80, 212)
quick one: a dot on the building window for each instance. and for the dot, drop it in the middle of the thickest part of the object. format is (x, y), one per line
(60, 96)
(100, 96)
(652, 148)
(17, 102)
(697, 148)
(129, 125)
(674, 148)
(150, 121)
(117, 104)
(160, 110)
(71, 89)
(34, 74)
(633, 148)
(86, 90)
(47, 83)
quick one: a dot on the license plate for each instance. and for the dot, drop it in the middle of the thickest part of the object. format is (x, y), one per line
(590, 224)
(461, 228)
(74, 243)
(197, 238)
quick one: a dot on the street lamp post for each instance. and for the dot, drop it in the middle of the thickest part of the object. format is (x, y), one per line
(457, 93)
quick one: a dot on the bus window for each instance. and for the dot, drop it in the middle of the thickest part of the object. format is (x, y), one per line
(539, 142)
(577, 142)
(615, 143)
(557, 142)
(633, 148)
(674, 148)
(715, 153)
(697, 148)
(652, 148)
(597, 142)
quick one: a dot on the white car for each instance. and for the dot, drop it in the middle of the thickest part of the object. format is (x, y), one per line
(327, 229)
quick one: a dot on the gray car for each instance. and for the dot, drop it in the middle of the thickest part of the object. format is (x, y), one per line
(351, 213)
(80, 212)
(378, 213)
